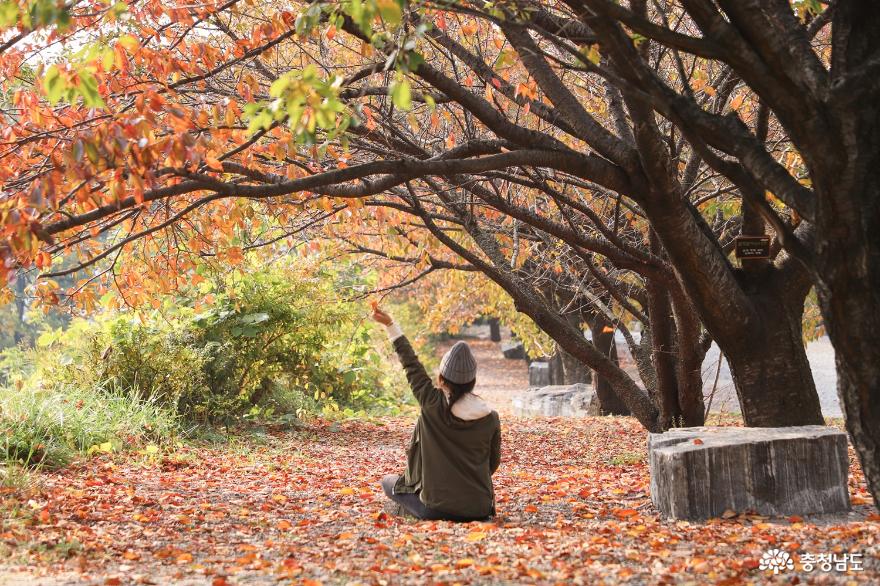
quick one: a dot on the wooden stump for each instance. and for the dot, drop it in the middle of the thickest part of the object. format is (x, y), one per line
(703, 472)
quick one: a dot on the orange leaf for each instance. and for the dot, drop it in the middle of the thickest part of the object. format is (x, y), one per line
(625, 513)
(284, 525)
(184, 558)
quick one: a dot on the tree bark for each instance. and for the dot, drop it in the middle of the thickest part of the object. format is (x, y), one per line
(604, 342)
(557, 369)
(575, 370)
(662, 349)
(689, 363)
(494, 329)
(847, 245)
(754, 316)
(769, 366)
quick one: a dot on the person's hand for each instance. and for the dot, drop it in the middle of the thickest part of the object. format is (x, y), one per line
(379, 315)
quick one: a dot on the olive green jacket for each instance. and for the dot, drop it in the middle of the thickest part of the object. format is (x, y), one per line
(450, 461)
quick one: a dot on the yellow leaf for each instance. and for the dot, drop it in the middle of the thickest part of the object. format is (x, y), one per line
(475, 536)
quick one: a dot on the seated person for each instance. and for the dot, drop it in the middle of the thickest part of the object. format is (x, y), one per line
(456, 445)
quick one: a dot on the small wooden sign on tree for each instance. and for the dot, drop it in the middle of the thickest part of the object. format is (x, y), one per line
(752, 247)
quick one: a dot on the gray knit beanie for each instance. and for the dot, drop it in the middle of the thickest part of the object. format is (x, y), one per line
(458, 365)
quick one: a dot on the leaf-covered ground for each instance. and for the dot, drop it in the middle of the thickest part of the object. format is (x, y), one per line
(305, 507)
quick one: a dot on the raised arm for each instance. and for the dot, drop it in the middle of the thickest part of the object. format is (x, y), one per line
(419, 381)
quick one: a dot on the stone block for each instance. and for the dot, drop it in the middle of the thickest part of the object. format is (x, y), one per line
(703, 472)
(557, 401)
(513, 350)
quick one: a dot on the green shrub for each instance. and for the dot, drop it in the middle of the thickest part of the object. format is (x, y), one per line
(270, 344)
(142, 360)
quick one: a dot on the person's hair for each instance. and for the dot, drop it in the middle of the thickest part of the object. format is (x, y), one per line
(456, 390)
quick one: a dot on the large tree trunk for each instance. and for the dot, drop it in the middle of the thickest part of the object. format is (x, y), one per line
(494, 329)
(847, 240)
(663, 350)
(575, 370)
(769, 366)
(557, 369)
(690, 361)
(604, 342)
(749, 314)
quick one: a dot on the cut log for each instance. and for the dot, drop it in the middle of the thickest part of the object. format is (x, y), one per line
(513, 350)
(557, 401)
(539, 374)
(704, 472)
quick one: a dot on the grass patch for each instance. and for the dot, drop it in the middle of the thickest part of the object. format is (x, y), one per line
(627, 459)
(48, 427)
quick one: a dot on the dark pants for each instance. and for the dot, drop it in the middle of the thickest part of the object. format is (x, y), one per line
(414, 505)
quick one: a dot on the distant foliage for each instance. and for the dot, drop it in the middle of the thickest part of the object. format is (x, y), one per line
(268, 343)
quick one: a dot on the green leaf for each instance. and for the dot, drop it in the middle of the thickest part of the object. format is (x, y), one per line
(88, 89)
(54, 84)
(390, 11)
(401, 94)
(8, 14)
(254, 318)
(591, 53)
